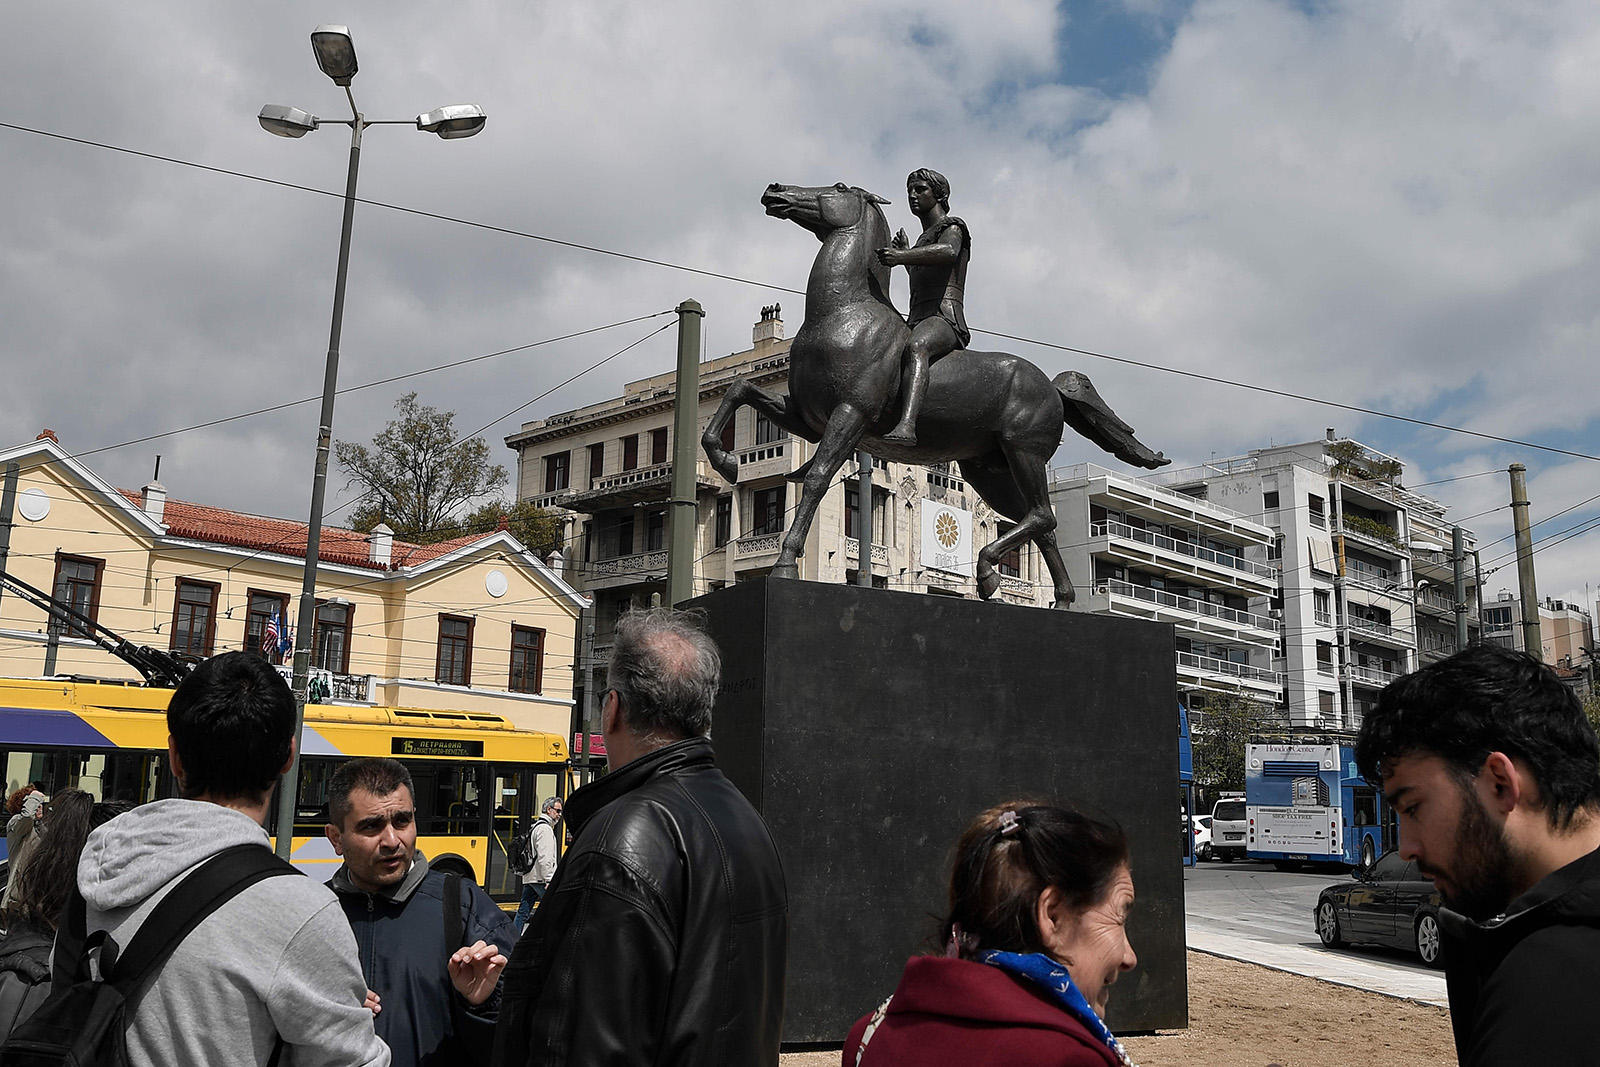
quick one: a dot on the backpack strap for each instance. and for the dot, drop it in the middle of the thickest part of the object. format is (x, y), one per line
(205, 889)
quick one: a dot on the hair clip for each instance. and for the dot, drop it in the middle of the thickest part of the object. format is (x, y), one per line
(1009, 823)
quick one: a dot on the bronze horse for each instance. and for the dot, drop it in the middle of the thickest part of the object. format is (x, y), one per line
(995, 414)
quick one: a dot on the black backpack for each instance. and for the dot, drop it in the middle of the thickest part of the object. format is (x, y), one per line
(522, 854)
(84, 1021)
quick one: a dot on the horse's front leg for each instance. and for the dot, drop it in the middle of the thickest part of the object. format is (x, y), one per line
(779, 407)
(839, 440)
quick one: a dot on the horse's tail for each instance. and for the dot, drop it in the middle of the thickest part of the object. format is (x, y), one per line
(1085, 412)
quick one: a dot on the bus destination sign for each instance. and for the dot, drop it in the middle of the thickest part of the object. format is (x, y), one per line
(436, 747)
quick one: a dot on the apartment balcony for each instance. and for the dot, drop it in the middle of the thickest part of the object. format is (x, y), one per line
(1383, 582)
(768, 460)
(620, 571)
(1436, 603)
(1436, 566)
(1186, 613)
(755, 551)
(1370, 676)
(638, 486)
(1146, 496)
(1225, 676)
(880, 553)
(1381, 633)
(1388, 545)
(558, 499)
(1181, 558)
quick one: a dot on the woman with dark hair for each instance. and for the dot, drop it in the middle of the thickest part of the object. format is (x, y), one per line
(38, 895)
(1036, 935)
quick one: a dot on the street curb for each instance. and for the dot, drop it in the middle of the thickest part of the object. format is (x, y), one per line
(1319, 978)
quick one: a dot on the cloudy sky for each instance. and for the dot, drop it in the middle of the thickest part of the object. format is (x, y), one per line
(1391, 204)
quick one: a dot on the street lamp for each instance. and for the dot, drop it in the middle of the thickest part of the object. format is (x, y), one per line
(336, 56)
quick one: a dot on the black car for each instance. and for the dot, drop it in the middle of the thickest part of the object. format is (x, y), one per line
(1389, 903)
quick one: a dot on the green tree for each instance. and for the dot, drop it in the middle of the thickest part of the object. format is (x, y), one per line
(539, 530)
(415, 476)
(1225, 726)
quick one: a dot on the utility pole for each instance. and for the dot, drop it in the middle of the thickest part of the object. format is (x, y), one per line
(1526, 589)
(590, 716)
(864, 519)
(1458, 556)
(684, 507)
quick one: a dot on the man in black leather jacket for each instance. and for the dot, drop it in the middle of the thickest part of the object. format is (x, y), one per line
(663, 937)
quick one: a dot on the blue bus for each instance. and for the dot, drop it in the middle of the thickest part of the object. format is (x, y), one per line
(1306, 803)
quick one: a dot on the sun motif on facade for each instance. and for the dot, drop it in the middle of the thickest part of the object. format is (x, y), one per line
(947, 530)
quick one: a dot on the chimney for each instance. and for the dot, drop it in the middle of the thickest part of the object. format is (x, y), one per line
(1332, 435)
(769, 331)
(153, 499)
(380, 544)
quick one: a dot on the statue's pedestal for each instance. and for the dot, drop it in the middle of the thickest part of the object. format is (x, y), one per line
(869, 727)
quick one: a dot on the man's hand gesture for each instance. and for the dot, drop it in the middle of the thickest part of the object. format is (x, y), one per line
(475, 970)
(887, 256)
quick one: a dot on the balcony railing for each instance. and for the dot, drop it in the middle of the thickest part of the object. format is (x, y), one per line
(757, 544)
(1182, 548)
(1186, 604)
(880, 553)
(1391, 633)
(637, 565)
(1242, 671)
(1370, 675)
(637, 476)
(1151, 485)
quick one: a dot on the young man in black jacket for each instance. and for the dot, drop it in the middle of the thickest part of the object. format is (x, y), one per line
(434, 990)
(662, 938)
(1495, 773)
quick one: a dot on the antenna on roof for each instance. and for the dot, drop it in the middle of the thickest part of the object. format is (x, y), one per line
(156, 477)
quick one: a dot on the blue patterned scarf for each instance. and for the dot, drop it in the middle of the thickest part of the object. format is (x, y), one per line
(1040, 970)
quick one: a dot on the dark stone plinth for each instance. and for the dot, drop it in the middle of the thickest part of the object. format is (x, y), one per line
(870, 726)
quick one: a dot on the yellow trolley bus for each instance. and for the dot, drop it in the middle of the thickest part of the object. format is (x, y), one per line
(477, 777)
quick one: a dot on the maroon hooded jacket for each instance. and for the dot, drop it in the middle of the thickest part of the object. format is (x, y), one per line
(955, 1013)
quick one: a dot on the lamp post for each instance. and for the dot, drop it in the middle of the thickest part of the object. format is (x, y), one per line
(336, 56)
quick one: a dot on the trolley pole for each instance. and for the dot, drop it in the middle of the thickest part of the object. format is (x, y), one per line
(1526, 589)
(685, 508)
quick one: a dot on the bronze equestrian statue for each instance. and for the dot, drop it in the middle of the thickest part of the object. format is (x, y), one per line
(993, 413)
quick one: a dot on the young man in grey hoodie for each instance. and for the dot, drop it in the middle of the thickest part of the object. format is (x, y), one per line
(278, 961)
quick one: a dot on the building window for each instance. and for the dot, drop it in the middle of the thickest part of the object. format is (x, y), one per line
(597, 463)
(1325, 703)
(1011, 562)
(266, 625)
(880, 510)
(724, 528)
(527, 659)
(616, 535)
(767, 510)
(330, 638)
(77, 585)
(658, 445)
(1275, 550)
(556, 470)
(768, 431)
(655, 531)
(1269, 500)
(1325, 655)
(1314, 503)
(630, 452)
(194, 617)
(455, 651)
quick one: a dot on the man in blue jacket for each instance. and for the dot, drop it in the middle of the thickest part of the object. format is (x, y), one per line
(430, 945)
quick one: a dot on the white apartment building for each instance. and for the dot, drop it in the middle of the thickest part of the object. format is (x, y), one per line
(1137, 549)
(607, 468)
(1367, 579)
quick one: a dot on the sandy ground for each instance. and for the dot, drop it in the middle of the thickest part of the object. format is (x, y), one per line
(1242, 1015)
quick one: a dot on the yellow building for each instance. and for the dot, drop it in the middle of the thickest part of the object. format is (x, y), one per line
(477, 623)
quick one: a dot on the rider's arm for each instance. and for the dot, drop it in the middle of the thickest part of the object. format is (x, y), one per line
(941, 253)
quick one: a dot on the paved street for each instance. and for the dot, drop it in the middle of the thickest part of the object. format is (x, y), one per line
(1249, 911)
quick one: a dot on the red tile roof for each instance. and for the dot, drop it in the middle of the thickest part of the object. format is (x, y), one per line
(201, 522)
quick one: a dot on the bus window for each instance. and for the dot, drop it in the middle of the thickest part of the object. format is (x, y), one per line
(1365, 805)
(311, 808)
(447, 797)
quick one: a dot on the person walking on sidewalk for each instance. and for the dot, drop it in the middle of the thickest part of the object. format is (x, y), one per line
(542, 853)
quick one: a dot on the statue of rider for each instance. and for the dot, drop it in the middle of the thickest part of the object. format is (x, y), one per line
(937, 264)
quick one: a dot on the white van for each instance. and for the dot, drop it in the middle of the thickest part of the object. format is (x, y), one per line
(1228, 827)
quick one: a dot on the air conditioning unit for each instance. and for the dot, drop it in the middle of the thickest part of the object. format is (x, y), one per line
(1275, 613)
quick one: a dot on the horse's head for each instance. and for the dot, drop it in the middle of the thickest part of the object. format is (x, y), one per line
(822, 209)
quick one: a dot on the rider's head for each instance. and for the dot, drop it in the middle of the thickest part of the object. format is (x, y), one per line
(941, 187)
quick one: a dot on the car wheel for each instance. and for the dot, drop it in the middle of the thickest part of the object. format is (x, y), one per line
(1428, 939)
(1203, 852)
(1367, 852)
(1328, 924)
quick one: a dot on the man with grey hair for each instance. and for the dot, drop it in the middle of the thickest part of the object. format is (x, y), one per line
(663, 937)
(541, 852)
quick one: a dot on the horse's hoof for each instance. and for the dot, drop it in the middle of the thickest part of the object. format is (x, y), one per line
(1062, 604)
(988, 585)
(725, 465)
(785, 570)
